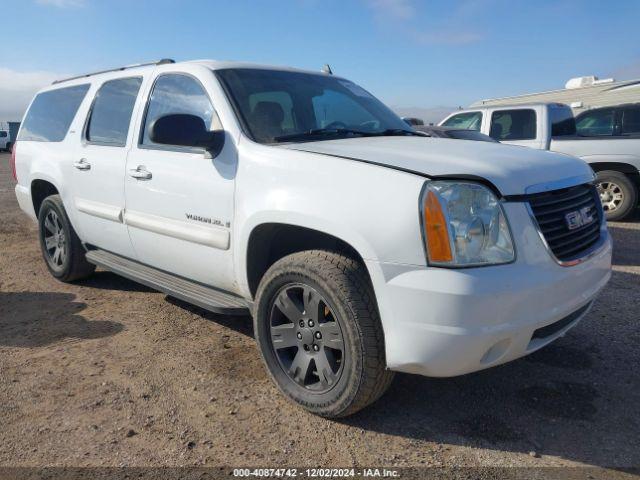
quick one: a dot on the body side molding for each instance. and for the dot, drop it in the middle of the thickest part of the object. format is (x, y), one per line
(211, 236)
(97, 209)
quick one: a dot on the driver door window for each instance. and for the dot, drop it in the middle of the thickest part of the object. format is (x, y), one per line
(176, 93)
(513, 125)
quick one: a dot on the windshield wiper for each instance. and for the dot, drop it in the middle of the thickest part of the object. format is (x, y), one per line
(320, 132)
(391, 132)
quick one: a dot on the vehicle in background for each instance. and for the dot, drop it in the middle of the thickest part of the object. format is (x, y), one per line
(619, 121)
(8, 134)
(5, 142)
(413, 121)
(454, 133)
(580, 93)
(601, 137)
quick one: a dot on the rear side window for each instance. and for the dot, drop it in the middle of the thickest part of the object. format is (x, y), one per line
(51, 114)
(111, 112)
(3, 134)
(513, 125)
(631, 121)
(468, 121)
(562, 121)
(596, 123)
(176, 93)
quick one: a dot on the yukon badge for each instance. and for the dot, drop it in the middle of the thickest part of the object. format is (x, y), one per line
(212, 221)
(579, 218)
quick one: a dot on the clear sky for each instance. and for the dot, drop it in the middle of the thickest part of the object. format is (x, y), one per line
(410, 53)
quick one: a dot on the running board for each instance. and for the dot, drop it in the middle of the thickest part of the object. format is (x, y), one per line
(191, 292)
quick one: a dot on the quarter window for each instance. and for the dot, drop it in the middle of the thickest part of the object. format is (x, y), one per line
(513, 125)
(111, 113)
(467, 121)
(631, 121)
(596, 123)
(176, 93)
(51, 114)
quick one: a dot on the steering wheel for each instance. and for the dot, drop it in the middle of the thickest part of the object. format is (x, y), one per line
(336, 125)
(371, 124)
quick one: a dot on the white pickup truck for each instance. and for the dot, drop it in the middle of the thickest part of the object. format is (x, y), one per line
(605, 138)
(359, 247)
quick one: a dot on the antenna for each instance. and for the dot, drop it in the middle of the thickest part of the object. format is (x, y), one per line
(327, 69)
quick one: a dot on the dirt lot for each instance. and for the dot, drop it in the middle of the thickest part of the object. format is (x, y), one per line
(109, 373)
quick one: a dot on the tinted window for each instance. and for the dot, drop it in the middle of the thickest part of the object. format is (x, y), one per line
(595, 123)
(339, 109)
(175, 93)
(513, 125)
(51, 114)
(111, 111)
(283, 99)
(468, 121)
(631, 120)
(274, 104)
(562, 121)
(3, 134)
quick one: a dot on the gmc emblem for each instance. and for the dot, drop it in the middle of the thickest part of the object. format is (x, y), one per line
(579, 218)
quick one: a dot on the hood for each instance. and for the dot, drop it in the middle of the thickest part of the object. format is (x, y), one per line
(511, 169)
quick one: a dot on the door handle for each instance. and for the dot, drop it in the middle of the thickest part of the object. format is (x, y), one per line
(140, 173)
(82, 164)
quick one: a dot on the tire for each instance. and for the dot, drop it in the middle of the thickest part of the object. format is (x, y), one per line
(337, 288)
(61, 248)
(618, 194)
(8, 147)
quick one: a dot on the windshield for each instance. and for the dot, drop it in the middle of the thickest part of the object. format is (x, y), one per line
(279, 106)
(467, 121)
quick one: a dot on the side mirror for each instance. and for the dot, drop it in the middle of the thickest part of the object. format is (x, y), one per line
(185, 130)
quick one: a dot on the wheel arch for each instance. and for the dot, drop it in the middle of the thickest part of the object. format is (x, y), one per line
(41, 189)
(621, 167)
(269, 242)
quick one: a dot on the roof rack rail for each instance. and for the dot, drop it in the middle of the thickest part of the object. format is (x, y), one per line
(157, 62)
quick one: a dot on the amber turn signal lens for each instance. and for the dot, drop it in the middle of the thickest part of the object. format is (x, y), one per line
(437, 233)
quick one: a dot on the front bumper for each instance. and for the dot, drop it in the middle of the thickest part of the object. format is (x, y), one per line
(446, 322)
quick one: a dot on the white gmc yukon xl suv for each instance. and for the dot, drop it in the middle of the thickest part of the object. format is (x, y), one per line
(359, 246)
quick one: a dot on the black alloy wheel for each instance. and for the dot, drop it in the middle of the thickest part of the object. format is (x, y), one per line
(307, 338)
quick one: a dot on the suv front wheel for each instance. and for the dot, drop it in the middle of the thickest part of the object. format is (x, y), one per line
(319, 333)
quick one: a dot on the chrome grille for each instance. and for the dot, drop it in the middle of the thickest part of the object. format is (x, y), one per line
(562, 217)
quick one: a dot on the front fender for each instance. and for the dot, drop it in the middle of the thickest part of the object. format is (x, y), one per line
(372, 208)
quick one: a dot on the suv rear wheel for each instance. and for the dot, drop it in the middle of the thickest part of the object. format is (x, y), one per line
(618, 194)
(61, 248)
(319, 333)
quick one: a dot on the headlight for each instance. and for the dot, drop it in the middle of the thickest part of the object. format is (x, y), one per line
(464, 225)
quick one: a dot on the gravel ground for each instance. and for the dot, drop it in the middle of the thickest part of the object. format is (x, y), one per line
(106, 372)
